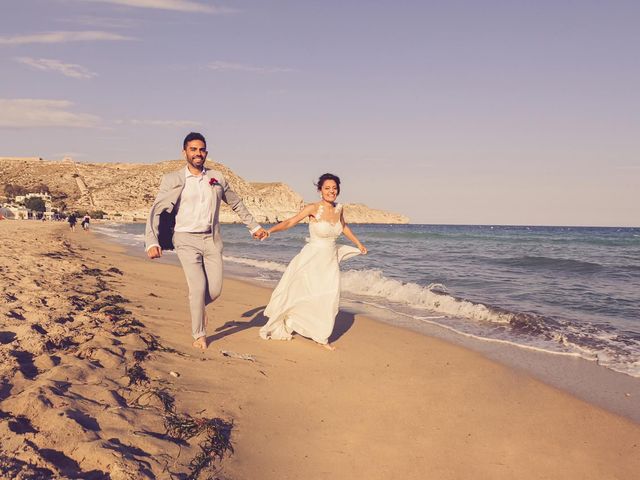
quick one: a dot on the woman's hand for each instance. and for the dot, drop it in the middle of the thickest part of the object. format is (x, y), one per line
(265, 234)
(362, 249)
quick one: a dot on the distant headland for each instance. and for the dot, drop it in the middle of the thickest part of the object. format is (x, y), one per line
(125, 191)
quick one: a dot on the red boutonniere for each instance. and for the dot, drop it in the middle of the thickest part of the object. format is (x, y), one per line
(213, 181)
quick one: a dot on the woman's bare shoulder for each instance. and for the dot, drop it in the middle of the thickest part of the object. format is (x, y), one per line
(312, 209)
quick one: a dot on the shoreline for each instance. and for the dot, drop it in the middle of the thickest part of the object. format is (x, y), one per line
(585, 379)
(389, 403)
(488, 225)
(614, 391)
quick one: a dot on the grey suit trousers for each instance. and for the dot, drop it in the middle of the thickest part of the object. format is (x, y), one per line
(201, 261)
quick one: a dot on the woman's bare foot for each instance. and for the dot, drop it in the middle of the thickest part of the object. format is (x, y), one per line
(201, 343)
(327, 346)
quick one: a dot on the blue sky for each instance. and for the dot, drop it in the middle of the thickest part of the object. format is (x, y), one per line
(496, 112)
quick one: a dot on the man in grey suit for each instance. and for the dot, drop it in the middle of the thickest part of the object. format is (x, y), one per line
(185, 216)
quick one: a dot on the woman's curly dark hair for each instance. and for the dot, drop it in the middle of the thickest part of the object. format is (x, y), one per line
(328, 176)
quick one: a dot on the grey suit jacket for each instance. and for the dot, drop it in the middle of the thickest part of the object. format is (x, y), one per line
(167, 203)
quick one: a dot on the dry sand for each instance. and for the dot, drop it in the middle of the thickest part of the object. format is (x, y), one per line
(89, 336)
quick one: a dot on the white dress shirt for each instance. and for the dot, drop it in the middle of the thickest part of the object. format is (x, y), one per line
(194, 212)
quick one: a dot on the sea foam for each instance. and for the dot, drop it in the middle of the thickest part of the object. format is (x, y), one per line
(261, 264)
(373, 283)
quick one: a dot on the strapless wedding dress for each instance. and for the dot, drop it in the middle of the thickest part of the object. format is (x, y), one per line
(307, 299)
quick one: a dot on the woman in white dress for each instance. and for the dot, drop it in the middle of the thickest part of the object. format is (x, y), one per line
(307, 298)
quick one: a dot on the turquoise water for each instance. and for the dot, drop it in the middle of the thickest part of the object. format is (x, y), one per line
(567, 290)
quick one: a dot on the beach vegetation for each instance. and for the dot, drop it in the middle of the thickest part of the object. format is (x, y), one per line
(136, 374)
(215, 433)
(12, 190)
(41, 188)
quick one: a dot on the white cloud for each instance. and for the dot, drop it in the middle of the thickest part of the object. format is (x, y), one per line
(62, 37)
(160, 123)
(102, 22)
(49, 64)
(176, 5)
(239, 67)
(30, 113)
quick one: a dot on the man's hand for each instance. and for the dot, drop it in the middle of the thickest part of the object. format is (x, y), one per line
(260, 234)
(154, 252)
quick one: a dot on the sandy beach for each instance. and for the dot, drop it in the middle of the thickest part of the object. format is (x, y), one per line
(99, 380)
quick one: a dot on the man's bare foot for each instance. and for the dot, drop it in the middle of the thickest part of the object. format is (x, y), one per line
(328, 346)
(200, 343)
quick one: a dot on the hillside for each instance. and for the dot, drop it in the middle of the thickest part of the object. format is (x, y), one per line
(128, 189)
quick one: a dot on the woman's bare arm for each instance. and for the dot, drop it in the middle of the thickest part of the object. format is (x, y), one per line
(290, 222)
(351, 236)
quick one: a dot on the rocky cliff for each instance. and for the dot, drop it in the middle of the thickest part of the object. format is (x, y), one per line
(128, 189)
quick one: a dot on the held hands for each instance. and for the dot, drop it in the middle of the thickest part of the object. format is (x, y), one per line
(154, 252)
(261, 234)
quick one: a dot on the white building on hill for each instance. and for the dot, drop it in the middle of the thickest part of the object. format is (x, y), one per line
(43, 195)
(18, 211)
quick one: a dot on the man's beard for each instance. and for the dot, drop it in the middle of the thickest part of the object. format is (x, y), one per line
(196, 162)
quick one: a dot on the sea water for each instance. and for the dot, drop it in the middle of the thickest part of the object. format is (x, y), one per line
(571, 291)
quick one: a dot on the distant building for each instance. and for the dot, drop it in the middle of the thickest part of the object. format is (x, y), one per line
(15, 212)
(48, 203)
(18, 211)
(43, 195)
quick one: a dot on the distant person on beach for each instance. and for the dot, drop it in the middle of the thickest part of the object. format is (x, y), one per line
(307, 299)
(72, 222)
(85, 222)
(185, 213)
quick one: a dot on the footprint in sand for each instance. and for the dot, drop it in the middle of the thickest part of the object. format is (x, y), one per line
(7, 337)
(25, 362)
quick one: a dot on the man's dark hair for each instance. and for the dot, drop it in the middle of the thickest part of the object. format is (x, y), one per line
(193, 136)
(325, 177)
